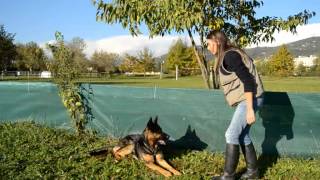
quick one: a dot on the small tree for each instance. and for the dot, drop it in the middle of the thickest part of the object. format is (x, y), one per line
(7, 49)
(263, 67)
(103, 61)
(182, 55)
(130, 64)
(31, 57)
(300, 70)
(65, 74)
(146, 60)
(77, 46)
(281, 63)
(315, 68)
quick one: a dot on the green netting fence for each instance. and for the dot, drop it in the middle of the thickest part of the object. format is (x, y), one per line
(288, 123)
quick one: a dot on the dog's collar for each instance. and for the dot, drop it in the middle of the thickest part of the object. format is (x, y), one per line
(148, 148)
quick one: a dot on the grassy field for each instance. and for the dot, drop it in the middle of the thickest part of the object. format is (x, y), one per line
(292, 84)
(30, 151)
(288, 84)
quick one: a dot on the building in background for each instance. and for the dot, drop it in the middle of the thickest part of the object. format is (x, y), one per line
(307, 61)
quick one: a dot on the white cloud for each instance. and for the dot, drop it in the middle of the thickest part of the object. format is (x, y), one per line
(283, 37)
(44, 47)
(160, 45)
(129, 44)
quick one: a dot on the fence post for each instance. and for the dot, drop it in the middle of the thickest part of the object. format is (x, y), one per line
(211, 76)
(161, 69)
(177, 72)
(28, 83)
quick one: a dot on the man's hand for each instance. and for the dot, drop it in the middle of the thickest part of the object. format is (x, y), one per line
(250, 116)
(250, 112)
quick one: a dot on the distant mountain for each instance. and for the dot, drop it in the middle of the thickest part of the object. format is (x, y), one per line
(304, 47)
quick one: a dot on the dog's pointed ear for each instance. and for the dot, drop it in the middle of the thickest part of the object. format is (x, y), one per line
(156, 120)
(188, 130)
(150, 122)
(194, 132)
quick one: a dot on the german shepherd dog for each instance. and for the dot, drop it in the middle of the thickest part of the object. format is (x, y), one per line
(147, 147)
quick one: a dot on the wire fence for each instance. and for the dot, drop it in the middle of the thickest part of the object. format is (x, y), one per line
(43, 75)
(25, 75)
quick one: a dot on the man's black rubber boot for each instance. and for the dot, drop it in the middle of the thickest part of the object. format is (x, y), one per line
(251, 161)
(231, 162)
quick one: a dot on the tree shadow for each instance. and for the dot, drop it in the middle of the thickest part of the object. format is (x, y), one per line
(189, 142)
(86, 94)
(277, 116)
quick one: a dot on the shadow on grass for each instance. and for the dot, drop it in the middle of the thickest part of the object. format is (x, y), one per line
(277, 116)
(189, 142)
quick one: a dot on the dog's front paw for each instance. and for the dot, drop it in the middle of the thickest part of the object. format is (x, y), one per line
(177, 173)
(167, 174)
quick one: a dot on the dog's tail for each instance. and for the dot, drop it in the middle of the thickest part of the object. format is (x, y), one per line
(100, 151)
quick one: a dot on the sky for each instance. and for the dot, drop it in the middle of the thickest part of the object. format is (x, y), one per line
(37, 20)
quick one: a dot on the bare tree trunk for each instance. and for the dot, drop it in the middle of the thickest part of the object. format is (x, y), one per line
(201, 62)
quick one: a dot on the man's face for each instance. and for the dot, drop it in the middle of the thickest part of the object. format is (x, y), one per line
(212, 45)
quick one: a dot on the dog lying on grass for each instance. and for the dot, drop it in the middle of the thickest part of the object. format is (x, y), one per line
(145, 147)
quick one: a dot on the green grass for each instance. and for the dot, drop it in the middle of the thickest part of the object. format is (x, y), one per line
(31, 151)
(168, 82)
(292, 84)
(287, 84)
(25, 79)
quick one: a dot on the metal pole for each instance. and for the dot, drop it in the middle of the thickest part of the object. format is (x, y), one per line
(177, 72)
(154, 92)
(211, 76)
(161, 70)
(28, 83)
